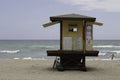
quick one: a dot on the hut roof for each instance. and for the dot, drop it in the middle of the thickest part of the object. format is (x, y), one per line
(72, 17)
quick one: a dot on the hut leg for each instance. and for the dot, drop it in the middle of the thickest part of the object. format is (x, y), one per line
(55, 62)
(83, 68)
(59, 66)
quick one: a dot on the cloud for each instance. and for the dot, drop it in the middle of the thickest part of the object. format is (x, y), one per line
(105, 5)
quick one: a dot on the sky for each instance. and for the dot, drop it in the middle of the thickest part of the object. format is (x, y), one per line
(23, 19)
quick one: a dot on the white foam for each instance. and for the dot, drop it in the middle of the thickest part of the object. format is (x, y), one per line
(106, 46)
(39, 59)
(102, 54)
(30, 58)
(116, 51)
(16, 58)
(10, 51)
(27, 58)
(98, 59)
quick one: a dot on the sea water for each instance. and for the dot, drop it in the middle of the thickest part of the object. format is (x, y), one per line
(36, 49)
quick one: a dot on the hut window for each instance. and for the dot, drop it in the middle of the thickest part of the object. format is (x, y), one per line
(73, 28)
(89, 32)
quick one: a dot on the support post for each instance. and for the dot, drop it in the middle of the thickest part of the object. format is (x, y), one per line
(60, 35)
(84, 44)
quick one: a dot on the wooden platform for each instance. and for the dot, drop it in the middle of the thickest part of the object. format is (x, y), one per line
(75, 53)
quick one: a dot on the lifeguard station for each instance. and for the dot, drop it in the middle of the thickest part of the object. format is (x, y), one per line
(76, 41)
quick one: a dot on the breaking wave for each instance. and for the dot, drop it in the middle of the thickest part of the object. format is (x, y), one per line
(117, 52)
(102, 54)
(10, 51)
(30, 58)
(106, 46)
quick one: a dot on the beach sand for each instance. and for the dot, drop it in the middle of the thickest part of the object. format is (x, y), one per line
(42, 70)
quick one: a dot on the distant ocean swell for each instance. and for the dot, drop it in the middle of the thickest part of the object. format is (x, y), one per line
(43, 46)
(57, 47)
(32, 50)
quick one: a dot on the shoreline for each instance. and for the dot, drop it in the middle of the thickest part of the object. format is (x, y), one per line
(29, 58)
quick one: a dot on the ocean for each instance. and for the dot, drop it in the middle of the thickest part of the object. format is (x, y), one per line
(36, 49)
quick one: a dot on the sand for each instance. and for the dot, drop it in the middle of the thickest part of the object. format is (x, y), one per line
(42, 70)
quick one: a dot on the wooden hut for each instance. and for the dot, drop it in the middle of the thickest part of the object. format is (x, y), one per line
(76, 41)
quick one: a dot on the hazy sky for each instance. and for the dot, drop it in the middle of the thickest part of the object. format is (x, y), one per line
(23, 19)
